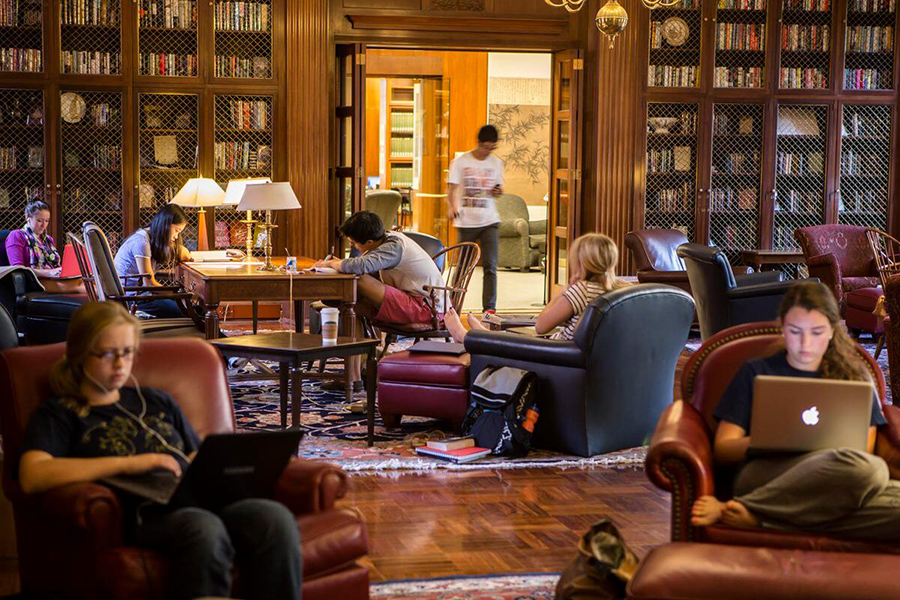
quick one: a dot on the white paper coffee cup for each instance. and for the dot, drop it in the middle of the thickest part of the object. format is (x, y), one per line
(330, 325)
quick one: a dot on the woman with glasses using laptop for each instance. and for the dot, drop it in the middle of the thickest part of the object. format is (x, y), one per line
(842, 492)
(95, 427)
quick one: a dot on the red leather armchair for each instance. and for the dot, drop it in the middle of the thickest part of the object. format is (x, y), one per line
(680, 458)
(70, 539)
(840, 256)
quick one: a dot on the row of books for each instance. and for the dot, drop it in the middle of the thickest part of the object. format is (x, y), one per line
(170, 14)
(798, 201)
(403, 122)
(236, 66)
(741, 36)
(9, 158)
(402, 147)
(31, 193)
(805, 37)
(10, 13)
(89, 12)
(730, 199)
(102, 114)
(401, 176)
(246, 114)
(234, 156)
(783, 237)
(854, 162)
(730, 237)
(865, 38)
(169, 65)
(20, 60)
(688, 5)
(147, 195)
(812, 5)
(672, 76)
(736, 163)
(86, 62)
(242, 16)
(673, 199)
(656, 36)
(724, 124)
(77, 200)
(739, 77)
(857, 125)
(742, 4)
(799, 163)
(867, 79)
(668, 160)
(802, 79)
(870, 5)
(870, 200)
(106, 156)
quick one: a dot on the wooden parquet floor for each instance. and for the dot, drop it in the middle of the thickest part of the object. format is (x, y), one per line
(505, 521)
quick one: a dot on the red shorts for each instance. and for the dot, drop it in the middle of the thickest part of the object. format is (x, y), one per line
(401, 308)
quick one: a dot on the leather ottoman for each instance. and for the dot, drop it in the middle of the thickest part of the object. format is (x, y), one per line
(685, 571)
(858, 310)
(424, 385)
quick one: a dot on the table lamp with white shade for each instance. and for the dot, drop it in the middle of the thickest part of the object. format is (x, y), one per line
(200, 192)
(268, 197)
(233, 194)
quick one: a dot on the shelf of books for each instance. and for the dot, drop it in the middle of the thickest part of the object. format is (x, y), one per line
(168, 141)
(800, 158)
(675, 45)
(243, 149)
(740, 44)
(865, 165)
(869, 45)
(167, 38)
(21, 36)
(91, 150)
(671, 167)
(735, 177)
(90, 39)
(243, 39)
(21, 154)
(805, 44)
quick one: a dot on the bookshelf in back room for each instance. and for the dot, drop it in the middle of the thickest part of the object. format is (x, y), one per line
(401, 133)
(795, 121)
(167, 38)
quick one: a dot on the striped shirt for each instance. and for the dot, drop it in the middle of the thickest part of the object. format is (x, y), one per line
(579, 295)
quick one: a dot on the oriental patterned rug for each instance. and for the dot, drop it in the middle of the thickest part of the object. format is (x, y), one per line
(529, 586)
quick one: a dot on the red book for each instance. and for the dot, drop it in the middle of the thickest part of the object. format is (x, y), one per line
(460, 455)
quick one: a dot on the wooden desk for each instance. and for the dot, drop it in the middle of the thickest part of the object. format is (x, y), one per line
(758, 258)
(244, 282)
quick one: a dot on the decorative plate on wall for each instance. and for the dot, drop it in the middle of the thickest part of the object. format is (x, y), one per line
(72, 107)
(675, 30)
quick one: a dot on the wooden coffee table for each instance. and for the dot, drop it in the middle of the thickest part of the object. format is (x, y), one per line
(290, 350)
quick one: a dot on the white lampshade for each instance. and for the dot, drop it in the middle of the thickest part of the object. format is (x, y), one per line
(235, 190)
(269, 196)
(199, 191)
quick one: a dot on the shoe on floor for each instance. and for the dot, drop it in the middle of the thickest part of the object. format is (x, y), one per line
(357, 407)
(339, 386)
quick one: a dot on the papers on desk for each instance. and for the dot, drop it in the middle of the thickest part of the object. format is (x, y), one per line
(322, 270)
(215, 256)
(231, 264)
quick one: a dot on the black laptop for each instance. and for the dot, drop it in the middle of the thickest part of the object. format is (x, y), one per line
(228, 467)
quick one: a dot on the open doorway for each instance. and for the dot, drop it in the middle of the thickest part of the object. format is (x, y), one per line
(423, 108)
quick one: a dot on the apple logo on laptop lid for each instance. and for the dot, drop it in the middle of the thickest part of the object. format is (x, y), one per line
(810, 416)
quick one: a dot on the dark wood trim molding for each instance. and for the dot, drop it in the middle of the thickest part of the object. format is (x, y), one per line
(444, 22)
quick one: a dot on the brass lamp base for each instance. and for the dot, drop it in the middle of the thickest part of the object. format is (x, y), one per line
(268, 226)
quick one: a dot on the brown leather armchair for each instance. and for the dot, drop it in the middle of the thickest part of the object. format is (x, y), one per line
(655, 258)
(680, 458)
(70, 539)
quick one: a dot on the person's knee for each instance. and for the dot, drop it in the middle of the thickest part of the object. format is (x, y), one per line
(205, 536)
(266, 520)
(864, 471)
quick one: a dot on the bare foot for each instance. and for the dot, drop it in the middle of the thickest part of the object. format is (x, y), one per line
(737, 515)
(475, 323)
(455, 326)
(707, 510)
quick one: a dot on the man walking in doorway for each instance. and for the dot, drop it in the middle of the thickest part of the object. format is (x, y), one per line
(476, 178)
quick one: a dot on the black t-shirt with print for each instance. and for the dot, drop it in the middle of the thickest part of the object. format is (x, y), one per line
(736, 405)
(108, 431)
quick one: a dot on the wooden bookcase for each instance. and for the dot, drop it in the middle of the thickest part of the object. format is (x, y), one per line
(107, 107)
(787, 122)
(400, 133)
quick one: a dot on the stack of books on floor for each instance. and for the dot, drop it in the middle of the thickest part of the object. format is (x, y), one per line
(458, 450)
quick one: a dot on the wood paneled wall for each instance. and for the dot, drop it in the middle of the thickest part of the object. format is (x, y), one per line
(310, 60)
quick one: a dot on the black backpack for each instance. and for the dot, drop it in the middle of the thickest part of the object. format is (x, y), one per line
(502, 410)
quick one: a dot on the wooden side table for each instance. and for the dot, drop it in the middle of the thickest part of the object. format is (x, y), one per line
(760, 258)
(289, 350)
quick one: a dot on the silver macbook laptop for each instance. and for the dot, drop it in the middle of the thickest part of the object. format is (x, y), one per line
(794, 414)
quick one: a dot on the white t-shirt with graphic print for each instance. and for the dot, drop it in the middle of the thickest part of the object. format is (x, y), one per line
(476, 178)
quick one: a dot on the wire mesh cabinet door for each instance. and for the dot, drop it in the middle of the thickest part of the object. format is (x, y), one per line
(862, 196)
(91, 154)
(22, 157)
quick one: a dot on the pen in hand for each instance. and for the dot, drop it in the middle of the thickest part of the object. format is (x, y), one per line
(330, 254)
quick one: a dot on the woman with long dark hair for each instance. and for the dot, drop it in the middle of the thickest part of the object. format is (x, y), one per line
(841, 491)
(149, 250)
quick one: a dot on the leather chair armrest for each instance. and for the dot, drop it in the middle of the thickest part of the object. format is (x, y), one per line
(827, 268)
(740, 270)
(887, 445)
(526, 348)
(670, 277)
(310, 487)
(761, 277)
(90, 507)
(680, 460)
(774, 288)
(537, 227)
